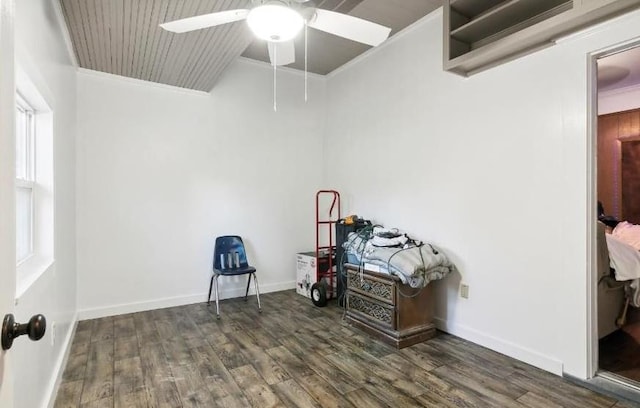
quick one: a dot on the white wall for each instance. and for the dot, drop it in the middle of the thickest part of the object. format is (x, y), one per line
(163, 171)
(619, 100)
(42, 55)
(492, 168)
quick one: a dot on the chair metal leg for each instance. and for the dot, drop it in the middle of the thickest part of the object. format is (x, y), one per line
(248, 283)
(215, 282)
(255, 280)
(210, 287)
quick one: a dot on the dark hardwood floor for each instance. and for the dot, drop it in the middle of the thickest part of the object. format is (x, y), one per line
(291, 355)
(620, 351)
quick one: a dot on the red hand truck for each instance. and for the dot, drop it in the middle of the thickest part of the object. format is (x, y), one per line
(325, 288)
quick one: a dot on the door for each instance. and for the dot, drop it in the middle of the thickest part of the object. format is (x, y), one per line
(7, 188)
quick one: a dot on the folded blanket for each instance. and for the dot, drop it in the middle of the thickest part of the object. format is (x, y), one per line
(414, 265)
(379, 231)
(389, 242)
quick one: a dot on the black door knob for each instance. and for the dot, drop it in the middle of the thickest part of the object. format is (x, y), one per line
(35, 329)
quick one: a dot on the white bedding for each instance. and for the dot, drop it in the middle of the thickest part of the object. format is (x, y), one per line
(628, 233)
(625, 260)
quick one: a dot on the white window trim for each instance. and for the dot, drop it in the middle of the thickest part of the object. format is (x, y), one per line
(22, 104)
(29, 181)
(30, 185)
(25, 183)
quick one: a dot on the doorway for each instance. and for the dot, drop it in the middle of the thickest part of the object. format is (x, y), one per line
(616, 151)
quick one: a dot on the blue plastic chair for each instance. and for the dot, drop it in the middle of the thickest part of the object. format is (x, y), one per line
(230, 259)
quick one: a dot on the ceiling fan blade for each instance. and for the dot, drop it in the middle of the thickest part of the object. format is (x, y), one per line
(352, 28)
(205, 20)
(282, 53)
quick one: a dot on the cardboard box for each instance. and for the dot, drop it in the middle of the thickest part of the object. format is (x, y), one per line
(306, 272)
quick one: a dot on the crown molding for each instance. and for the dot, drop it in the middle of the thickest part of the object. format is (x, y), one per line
(437, 13)
(141, 82)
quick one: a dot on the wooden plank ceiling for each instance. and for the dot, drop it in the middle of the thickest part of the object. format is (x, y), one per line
(123, 37)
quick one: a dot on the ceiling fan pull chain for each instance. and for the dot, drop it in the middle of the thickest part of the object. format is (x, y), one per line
(275, 66)
(305, 62)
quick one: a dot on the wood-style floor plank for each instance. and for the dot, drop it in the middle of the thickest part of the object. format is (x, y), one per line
(69, 394)
(291, 355)
(364, 398)
(128, 377)
(98, 381)
(548, 386)
(126, 347)
(136, 399)
(124, 326)
(487, 389)
(454, 398)
(102, 329)
(230, 355)
(533, 400)
(258, 393)
(76, 367)
(103, 403)
(158, 377)
(191, 387)
(293, 395)
(215, 374)
(322, 392)
(292, 364)
(330, 373)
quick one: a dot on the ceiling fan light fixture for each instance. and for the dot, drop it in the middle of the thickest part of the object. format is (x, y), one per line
(275, 22)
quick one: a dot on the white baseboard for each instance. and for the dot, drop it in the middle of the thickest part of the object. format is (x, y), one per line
(504, 347)
(56, 379)
(97, 312)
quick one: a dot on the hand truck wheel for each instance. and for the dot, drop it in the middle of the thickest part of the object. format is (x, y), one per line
(319, 294)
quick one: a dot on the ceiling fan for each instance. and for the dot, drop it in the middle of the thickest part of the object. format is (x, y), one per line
(279, 22)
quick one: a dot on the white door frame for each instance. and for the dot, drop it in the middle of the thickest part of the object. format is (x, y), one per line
(592, 199)
(7, 188)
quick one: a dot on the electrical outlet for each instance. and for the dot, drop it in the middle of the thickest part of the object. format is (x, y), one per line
(53, 333)
(464, 291)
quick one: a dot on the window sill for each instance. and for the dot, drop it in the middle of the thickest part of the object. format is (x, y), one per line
(29, 271)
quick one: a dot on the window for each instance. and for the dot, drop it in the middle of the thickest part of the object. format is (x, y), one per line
(25, 178)
(34, 183)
